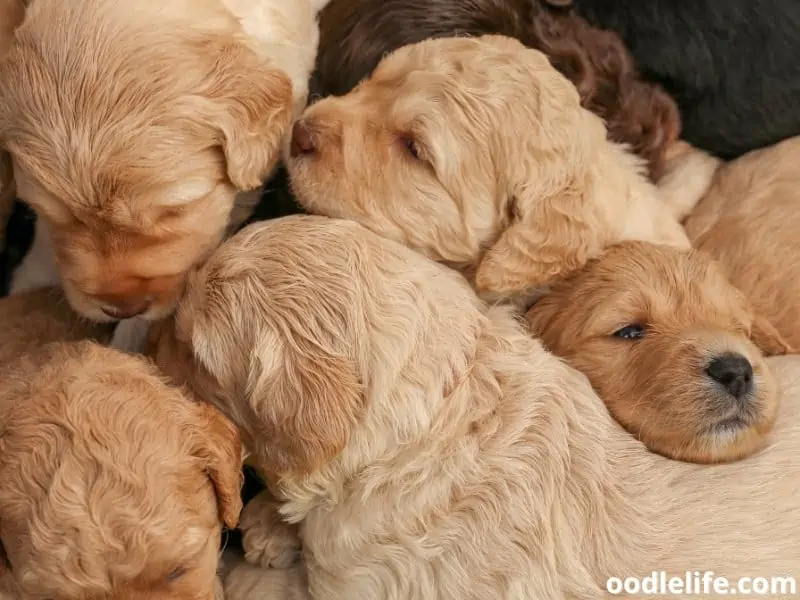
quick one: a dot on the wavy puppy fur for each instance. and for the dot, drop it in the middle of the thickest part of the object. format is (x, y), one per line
(671, 346)
(114, 484)
(546, 191)
(429, 447)
(136, 135)
(749, 220)
(356, 34)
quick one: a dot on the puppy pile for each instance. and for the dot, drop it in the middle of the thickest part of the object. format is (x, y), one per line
(523, 339)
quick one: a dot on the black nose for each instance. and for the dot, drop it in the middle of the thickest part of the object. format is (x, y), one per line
(734, 372)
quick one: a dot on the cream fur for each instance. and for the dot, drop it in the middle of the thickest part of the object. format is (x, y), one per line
(430, 448)
(477, 153)
(137, 133)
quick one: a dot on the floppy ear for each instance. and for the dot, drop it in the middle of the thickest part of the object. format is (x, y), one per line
(548, 239)
(218, 446)
(250, 102)
(308, 401)
(768, 339)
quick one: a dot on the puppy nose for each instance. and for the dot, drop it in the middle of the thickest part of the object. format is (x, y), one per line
(126, 308)
(302, 140)
(734, 372)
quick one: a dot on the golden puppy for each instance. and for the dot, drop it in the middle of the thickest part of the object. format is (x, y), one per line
(663, 338)
(478, 153)
(430, 447)
(749, 220)
(114, 484)
(35, 318)
(132, 129)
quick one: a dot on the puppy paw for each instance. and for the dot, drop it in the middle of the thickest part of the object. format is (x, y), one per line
(267, 539)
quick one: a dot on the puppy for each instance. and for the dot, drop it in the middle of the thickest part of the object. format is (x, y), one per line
(663, 338)
(430, 447)
(136, 133)
(33, 319)
(730, 65)
(748, 220)
(356, 34)
(114, 484)
(477, 153)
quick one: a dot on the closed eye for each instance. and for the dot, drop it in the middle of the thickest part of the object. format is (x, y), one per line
(411, 146)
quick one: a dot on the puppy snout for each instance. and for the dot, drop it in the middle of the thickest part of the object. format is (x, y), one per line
(303, 141)
(733, 372)
(125, 308)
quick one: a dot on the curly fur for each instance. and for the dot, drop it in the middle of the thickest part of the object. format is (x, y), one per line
(356, 34)
(731, 65)
(429, 447)
(115, 485)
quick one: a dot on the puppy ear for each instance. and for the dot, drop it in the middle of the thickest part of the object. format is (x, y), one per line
(218, 446)
(548, 239)
(768, 339)
(250, 103)
(308, 402)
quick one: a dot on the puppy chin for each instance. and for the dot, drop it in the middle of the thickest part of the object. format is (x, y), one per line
(92, 311)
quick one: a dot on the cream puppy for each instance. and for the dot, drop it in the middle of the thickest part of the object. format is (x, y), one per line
(429, 447)
(137, 130)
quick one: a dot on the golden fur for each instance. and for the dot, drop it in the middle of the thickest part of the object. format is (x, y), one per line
(658, 385)
(478, 153)
(749, 220)
(133, 130)
(35, 318)
(114, 484)
(430, 447)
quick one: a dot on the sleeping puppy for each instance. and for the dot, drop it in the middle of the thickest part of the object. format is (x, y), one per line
(731, 65)
(429, 447)
(748, 220)
(546, 192)
(32, 319)
(136, 131)
(114, 484)
(356, 34)
(663, 338)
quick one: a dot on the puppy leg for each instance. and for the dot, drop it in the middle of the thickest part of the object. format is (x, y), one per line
(38, 268)
(268, 540)
(248, 582)
(687, 176)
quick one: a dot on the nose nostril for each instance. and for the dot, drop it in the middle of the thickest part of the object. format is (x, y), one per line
(733, 372)
(302, 140)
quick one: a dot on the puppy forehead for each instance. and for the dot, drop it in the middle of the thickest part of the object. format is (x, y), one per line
(661, 283)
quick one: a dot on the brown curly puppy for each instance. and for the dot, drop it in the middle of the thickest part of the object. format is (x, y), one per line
(356, 34)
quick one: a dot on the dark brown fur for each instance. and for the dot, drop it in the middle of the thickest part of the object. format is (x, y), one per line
(356, 34)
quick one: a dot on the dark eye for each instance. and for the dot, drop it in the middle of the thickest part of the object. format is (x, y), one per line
(411, 145)
(176, 574)
(631, 332)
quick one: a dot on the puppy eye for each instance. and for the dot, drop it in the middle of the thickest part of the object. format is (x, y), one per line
(631, 332)
(411, 146)
(176, 574)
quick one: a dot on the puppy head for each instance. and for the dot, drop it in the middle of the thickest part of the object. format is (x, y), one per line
(672, 348)
(475, 152)
(294, 323)
(131, 134)
(114, 484)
